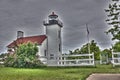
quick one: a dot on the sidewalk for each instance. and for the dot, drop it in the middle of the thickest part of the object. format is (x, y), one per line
(104, 77)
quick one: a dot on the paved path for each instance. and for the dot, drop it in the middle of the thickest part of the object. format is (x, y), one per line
(104, 77)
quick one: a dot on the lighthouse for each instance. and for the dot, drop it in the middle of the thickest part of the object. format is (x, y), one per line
(54, 42)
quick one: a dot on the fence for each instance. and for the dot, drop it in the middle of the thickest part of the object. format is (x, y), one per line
(74, 60)
(115, 58)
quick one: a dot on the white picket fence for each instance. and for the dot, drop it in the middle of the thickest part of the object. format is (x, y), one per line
(115, 58)
(67, 60)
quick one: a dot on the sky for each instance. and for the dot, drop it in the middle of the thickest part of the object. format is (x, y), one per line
(28, 16)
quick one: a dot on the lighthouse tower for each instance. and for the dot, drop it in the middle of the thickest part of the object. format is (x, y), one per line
(53, 32)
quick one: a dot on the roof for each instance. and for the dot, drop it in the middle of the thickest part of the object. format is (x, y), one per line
(34, 39)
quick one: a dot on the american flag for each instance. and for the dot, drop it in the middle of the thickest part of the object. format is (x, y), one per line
(87, 29)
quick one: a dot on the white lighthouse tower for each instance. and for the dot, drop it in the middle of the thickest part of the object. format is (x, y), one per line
(53, 32)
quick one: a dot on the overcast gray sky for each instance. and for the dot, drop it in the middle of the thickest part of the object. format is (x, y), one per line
(28, 16)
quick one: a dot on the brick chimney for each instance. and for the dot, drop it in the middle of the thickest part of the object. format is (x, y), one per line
(20, 34)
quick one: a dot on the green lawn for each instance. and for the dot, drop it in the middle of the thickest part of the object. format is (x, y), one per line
(79, 73)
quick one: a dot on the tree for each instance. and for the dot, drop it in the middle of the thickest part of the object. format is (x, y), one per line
(25, 56)
(108, 52)
(93, 49)
(105, 56)
(113, 14)
(84, 49)
(116, 47)
(3, 55)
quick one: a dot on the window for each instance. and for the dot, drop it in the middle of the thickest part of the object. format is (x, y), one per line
(45, 52)
(51, 56)
(59, 34)
(59, 47)
(59, 58)
(59, 62)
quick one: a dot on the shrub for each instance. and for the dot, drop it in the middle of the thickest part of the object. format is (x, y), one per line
(25, 57)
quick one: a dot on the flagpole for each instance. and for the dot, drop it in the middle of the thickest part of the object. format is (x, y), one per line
(88, 39)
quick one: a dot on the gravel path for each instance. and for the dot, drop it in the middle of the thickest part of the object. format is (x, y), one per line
(104, 77)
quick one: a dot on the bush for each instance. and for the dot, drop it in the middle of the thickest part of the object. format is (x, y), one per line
(20, 63)
(25, 57)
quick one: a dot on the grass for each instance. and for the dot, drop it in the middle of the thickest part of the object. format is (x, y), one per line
(67, 73)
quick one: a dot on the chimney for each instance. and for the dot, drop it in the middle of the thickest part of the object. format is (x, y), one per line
(20, 34)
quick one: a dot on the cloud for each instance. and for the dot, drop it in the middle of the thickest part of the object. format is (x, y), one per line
(28, 15)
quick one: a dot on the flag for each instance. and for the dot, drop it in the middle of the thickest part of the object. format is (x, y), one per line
(88, 39)
(87, 29)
